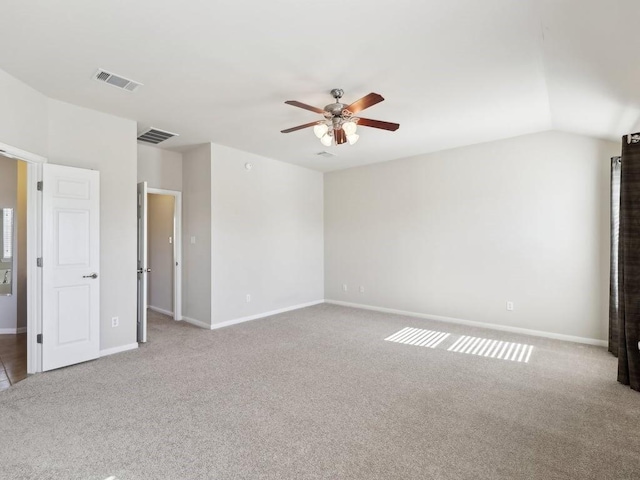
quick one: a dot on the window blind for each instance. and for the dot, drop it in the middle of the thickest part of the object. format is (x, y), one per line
(7, 234)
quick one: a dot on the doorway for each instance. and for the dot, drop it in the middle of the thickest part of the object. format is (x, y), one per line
(13, 271)
(159, 255)
(33, 281)
(160, 248)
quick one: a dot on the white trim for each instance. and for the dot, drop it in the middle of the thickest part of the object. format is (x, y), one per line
(12, 331)
(197, 323)
(228, 323)
(160, 310)
(18, 154)
(162, 191)
(177, 248)
(34, 274)
(122, 348)
(473, 323)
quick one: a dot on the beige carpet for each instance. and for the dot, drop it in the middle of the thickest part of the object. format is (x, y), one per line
(318, 394)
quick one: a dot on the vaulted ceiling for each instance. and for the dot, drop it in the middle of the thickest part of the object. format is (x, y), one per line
(453, 72)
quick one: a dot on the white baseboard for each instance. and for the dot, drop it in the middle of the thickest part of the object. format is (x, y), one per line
(265, 314)
(123, 348)
(197, 323)
(473, 323)
(13, 331)
(160, 310)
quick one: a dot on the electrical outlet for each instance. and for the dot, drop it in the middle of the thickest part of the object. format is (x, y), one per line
(193, 240)
(115, 321)
(361, 289)
(344, 287)
(510, 306)
(248, 298)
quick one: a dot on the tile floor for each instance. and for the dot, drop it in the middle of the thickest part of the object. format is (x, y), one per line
(13, 359)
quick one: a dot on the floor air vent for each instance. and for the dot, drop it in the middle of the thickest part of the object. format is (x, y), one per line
(155, 136)
(116, 80)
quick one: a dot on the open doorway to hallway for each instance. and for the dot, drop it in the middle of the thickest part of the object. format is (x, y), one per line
(159, 255)
(13, 271)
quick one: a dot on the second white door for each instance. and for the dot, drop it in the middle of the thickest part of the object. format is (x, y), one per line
(70, 266)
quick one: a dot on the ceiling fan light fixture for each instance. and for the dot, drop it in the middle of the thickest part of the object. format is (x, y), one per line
(326, 140)
(320, 130)
(349, 127)
(341, 121)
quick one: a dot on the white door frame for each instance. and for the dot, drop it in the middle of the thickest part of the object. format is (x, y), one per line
(177, 247)
(34, 248)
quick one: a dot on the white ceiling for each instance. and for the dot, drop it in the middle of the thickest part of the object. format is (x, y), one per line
(453, 72)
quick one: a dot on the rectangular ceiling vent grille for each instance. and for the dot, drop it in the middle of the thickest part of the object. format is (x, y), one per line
(155, 136)
(326, 154)
(116, 80)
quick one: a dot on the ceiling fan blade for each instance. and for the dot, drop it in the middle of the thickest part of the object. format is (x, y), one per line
(339, 136)
(365, 102)
(300, 127)
(367, 122)
(295, 103)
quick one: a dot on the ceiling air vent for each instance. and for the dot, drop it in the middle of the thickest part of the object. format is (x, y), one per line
(155, 136)
(326, 154)
(116, 80)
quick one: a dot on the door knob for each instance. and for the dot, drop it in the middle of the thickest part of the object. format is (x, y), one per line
(93, 275)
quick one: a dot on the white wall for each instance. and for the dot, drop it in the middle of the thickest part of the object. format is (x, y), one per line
(196, 221)
(9, 199)
(84, 138)
(23, 123)
(160, 251)
(267, 232)
(458, 233)
(159, 168)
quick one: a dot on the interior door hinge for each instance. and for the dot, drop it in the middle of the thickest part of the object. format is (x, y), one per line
(40, 186)
(39, 261)
(39, 338)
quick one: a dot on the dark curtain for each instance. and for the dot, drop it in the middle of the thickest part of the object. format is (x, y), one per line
(629, 264)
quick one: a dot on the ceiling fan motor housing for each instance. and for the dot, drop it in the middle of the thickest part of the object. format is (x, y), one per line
(335, 109)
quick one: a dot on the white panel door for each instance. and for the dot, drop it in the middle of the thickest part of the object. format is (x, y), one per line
(71, 265)
(143, 267)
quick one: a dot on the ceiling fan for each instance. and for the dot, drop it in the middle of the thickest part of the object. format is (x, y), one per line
(340, 121)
